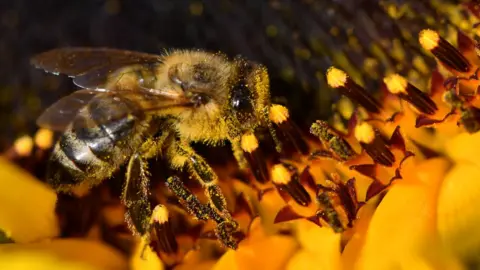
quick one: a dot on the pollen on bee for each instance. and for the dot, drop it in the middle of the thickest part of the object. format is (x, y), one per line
(336, 77)
(160, 214)
(280, 175)
(395, 83)
(364, 133)
(443, 50)
(43, 138)
(278, 114)
(249, 143)
(23, 146)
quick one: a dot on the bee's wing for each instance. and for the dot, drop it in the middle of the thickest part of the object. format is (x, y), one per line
(107, 106)
(91, 67)
(59, 115)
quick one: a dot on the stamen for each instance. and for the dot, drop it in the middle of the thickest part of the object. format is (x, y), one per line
(288, 180)
(328, 213)
(332, 140)
(253, 154)
(398, 85)
(44, 139)
(374, 144)
(23, 146)
(443, 50)
(280, 116)
(162, 230)
(338, 79)
(470, 119)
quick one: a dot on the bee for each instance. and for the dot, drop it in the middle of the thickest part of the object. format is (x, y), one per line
(133, 106)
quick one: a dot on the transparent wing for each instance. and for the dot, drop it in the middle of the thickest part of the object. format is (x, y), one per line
(91, 67)
(59, 115)
(101, 107)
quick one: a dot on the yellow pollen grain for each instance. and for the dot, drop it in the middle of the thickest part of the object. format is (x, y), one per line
(249, 143)
(280, 175)
(23, 145)
(44, 138)
(278, 114)
(364, 133)
(336, 77)
(429, 39)
(396, 84)
(160, 214)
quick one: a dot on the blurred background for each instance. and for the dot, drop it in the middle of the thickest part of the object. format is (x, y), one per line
(296, 39)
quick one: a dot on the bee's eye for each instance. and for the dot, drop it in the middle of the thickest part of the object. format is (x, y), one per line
(241, 99)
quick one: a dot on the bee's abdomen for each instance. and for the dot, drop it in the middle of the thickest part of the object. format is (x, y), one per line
(94, 147)
(103, 139)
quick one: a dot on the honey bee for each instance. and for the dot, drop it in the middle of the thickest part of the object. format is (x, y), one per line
(134, 106)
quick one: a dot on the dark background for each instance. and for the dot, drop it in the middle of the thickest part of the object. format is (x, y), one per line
(297, 40)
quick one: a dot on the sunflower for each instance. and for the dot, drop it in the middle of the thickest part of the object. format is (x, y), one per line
(389, 182)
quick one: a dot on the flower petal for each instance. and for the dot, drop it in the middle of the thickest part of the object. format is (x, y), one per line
(464, 147)
(27, 206)
(458, 215)
(61, 254)
(402, 232)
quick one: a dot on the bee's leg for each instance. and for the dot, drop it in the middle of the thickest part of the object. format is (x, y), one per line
(280, 116)
(247, 152)
(152, 147)
(188, 199)
(226, 226)
(181, 155)
(150, 225)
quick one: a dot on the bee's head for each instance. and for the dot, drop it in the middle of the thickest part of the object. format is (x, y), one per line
(250, 94)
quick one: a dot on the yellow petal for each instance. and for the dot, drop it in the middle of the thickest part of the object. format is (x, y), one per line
(464, 148)
(27, 206)
(61, 254)
(259, 251)
(320, 247)
(458, 214)
(144, 258)
(402, 232)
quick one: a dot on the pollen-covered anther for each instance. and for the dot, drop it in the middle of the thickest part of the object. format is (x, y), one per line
(470, 119)
(332, 140)
(161, 230)
(398, 85)
(253, 154)
(333, 216)
(23, 146)
(338, 79)
(43, 138)
(374, 144)
(280, 116)
(288, 180)
(338, 201)
(443, 50)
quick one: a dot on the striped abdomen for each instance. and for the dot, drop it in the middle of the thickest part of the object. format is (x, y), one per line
(102, 137)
